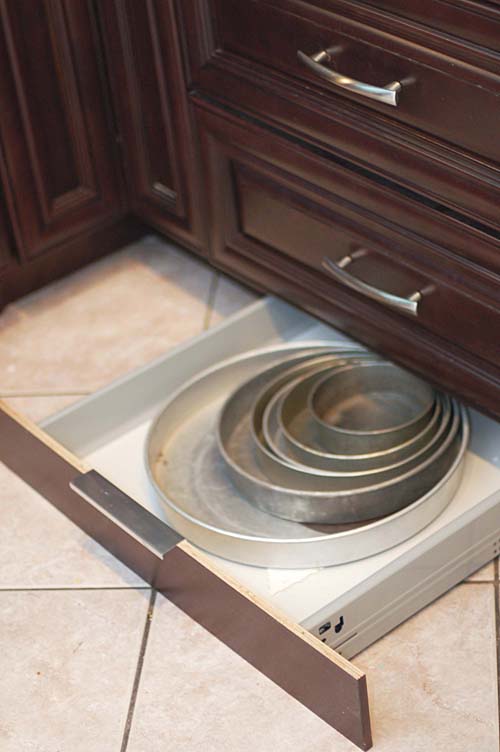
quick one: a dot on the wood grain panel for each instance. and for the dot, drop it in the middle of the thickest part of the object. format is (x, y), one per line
(443, 97)
(276, 211)
(59, 173)
(145, 60)
(269, 87)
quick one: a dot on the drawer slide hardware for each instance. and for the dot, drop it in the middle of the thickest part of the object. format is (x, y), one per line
(388, 94)
(337, 269)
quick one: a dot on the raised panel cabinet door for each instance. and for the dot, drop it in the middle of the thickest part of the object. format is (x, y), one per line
(143, 44)
(60, 162)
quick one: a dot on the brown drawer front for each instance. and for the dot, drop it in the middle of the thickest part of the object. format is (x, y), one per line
(232, 58)
(468, 20)
(267, 217)
(440, 96)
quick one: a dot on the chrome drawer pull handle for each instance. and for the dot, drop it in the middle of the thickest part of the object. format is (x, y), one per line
(387, 94)
(125, 513)
(337, 270)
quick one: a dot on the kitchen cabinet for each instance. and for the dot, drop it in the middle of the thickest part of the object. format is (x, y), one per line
(59, 166)
(303, 175)
(224, 124)
(156, 130)
(378, 214)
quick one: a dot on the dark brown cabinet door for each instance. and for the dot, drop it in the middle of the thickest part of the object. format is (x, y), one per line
(142, 41)
(59, 163)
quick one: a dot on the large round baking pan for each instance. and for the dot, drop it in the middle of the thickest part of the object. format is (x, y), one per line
(188, 477)
(294, 438)
(327, 500)
(368, 407)
(344, 464)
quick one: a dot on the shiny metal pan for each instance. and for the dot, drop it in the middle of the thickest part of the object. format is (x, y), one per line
(273, 441)
(292, 434)
(368, 407)
(189, 477)
(288, 492)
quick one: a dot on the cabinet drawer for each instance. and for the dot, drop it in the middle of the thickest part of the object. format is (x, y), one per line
(440, 141)
(286, 213)
(440, 96)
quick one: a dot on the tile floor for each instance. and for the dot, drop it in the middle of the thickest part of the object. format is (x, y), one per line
(92, 661)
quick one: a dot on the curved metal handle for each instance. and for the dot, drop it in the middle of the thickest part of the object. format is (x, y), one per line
(387, 94)
(337, 270)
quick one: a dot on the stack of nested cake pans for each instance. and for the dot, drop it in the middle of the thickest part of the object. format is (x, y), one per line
(340, 441)
(337, 439)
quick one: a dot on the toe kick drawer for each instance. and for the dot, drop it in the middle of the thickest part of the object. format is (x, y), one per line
(301, 226)
(88, 462)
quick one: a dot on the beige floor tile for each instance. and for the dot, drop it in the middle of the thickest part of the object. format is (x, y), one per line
(40, 548)
(433, 681)
(38, 408)
(432, 686)
(68, 661)
(196, 694)
(103, 321)
(229, 298)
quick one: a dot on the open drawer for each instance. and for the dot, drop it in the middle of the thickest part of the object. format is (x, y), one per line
(298, 627)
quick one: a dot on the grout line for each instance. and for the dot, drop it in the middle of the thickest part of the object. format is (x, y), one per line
(138, 672)
(212, 292)
(476, 582)
(72, 588)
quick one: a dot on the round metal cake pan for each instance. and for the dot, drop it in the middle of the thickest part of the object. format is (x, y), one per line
(391, 463)
(301, 373)
(282, 472)
(295, 438)
(188, 478)
(368, 407)
(299, 499)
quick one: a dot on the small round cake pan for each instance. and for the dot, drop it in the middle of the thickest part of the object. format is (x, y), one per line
(327, 500)
(369, 407)
(388, 464)
(189, 478)
(290, 433)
